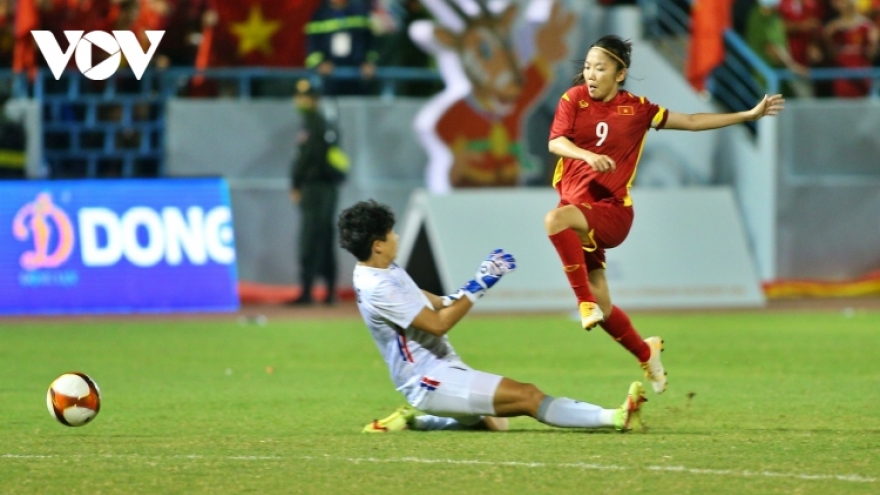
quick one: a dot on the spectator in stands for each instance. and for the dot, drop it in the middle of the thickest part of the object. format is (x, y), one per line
(803, 28)
(12, 144)
(339, 35)
(86, 15)
(869, 9)
(741, 11)
(315, 178)
(852, 41)
(7, 32)
(182, 21)
(385, 22)
(405, 53)
(765, 34)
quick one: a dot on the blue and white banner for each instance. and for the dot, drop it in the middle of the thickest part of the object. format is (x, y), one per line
(135, 245)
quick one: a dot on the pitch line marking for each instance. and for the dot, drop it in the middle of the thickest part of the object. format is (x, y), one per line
(611, 467)
(853, 478)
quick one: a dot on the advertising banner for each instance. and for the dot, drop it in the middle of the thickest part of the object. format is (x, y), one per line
(134, 245)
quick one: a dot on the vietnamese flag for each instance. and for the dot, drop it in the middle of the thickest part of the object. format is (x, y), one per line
(257, 33)
(709, 20)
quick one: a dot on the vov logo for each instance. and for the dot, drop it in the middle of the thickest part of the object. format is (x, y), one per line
(117, 44)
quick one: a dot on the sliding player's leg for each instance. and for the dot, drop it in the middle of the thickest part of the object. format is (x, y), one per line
(471, 399)
(569, 229)
(513, 398)
(618, 325)
(409, 418)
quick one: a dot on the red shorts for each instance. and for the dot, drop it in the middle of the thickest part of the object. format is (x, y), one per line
(609, 222)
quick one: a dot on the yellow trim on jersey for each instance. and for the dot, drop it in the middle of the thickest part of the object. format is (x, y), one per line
(642, 99)
(627, 200)
(595, 246)
(658, 118)
(557, 174)
(565, 97)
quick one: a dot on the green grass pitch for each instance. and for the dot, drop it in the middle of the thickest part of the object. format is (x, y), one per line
(758, 402)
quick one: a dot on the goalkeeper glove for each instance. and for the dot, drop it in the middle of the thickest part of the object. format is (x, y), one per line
(495, 266)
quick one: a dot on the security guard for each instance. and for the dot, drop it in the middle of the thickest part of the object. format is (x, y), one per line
(317, 173)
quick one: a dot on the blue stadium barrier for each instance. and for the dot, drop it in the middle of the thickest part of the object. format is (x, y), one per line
(116, 128)
(244, 78)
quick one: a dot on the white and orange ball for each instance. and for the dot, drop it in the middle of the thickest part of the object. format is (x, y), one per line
(74, 399)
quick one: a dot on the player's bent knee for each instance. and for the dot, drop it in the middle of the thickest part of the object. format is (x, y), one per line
(551, 223)
(560, 219)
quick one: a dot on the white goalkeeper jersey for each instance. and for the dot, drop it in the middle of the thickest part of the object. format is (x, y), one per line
(389, 301)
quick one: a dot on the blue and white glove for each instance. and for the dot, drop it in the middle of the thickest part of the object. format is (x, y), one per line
(490, 272)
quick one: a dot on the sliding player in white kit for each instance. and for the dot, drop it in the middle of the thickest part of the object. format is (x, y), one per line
(410, 325)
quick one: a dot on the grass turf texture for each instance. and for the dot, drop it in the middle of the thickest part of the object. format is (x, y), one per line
(757, 403)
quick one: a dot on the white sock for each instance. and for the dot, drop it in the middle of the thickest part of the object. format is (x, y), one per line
(563, 412)
(606, 417)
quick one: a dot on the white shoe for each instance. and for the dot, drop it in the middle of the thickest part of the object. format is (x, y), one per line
(591, 315)
(653, 367)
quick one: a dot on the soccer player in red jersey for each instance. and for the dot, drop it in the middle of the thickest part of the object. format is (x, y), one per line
(598, 132)
(853, 40)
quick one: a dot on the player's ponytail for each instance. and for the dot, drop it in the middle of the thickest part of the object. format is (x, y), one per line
(617, 49)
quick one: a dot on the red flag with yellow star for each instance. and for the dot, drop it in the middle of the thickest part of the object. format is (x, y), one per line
(257, 32)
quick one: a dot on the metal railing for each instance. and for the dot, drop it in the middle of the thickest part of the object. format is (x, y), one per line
(173, 81)
(92, 127)
(246, 78)
(743, 78)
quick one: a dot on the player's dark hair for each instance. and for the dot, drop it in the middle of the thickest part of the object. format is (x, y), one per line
(620, 52)
(361, 225)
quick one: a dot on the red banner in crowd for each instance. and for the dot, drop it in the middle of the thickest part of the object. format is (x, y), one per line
(57, 16)
(27, 18)
(257, 32)
(709, 20)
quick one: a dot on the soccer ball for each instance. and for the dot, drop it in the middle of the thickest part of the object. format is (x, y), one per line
(73, 399)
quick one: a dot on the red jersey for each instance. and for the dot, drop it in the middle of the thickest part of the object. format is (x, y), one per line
(851, 50)
(800, 11)
(851, 44)
(616, 128)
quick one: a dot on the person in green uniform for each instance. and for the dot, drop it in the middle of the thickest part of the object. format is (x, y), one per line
(765, 34)
(318, 171)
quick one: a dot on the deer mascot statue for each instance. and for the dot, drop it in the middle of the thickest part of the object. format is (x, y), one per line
(471, 131)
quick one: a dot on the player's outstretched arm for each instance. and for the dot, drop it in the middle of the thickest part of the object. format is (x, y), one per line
(767, 107)
(440, 321)
(448, 310)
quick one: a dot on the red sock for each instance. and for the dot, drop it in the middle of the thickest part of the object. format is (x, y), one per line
(571, 252)
(617, 325)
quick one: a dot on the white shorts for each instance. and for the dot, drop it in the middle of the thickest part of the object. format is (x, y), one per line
(455, 390)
